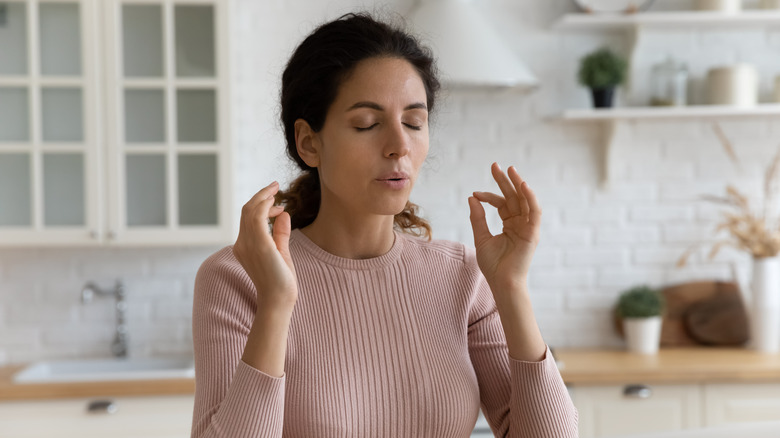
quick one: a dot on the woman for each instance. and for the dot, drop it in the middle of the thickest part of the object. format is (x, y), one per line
(343, 321)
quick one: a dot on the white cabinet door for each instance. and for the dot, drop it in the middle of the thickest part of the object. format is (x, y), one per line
(168, 143)
(114, 123)
(152, 417)
(606, 411)
(50, 150)
(731, 403)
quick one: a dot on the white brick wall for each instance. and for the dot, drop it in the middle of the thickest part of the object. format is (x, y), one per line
(594, 243)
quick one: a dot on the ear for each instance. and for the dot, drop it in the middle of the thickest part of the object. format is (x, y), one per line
(307, 142)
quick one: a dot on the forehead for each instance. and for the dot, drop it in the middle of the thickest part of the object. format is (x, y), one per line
(382, 80)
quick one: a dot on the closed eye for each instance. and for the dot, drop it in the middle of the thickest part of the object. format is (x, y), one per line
(359, 129)
(416, 128)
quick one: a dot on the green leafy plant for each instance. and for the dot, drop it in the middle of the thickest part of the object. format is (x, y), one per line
(640, 302)
(602, 69)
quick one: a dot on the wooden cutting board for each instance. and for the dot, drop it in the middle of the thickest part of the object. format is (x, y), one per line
(701, 313)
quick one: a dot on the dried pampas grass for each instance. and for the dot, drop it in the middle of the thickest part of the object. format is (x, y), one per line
(748, 232)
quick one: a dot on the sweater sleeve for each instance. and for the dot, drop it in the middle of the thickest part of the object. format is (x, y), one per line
(518, 398)
(232, 399)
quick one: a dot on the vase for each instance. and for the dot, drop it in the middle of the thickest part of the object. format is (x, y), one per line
(602, 97)
(643, 335)
(765, 305)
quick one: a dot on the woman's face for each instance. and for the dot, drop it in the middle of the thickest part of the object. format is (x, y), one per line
(374, 139)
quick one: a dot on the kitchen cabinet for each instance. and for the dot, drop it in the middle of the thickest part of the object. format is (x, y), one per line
(732, 403)
(615, 410)
(618, 393)
(607, 411)
(114, 123)
(148, 416)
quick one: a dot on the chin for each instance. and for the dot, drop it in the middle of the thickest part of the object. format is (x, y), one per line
(391, 208)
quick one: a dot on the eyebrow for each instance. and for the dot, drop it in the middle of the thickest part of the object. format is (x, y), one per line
(376, 106)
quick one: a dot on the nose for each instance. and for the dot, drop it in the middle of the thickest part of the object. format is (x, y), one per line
(397, 142)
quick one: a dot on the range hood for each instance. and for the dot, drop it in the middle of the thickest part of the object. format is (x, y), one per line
(469, 52)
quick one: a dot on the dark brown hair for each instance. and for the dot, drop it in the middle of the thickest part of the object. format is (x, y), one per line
(311, 81)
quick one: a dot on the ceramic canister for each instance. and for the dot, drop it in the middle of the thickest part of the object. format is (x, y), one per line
(770, 4)
(719, 5)
(733, 85)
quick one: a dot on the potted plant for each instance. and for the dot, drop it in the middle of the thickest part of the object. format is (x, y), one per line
(602, 71)
(641, 308)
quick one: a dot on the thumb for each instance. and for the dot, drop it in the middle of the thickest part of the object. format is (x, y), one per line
(281, 234)
(478, 222)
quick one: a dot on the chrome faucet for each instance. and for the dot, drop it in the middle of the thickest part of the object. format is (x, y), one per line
(119, 345)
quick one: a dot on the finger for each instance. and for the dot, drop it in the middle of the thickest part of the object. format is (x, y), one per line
(478, 222)
(496, 201)
(263, 194)
(258, 215)
(535, 210)
(276, 210)
(514, 176)
(507, 189)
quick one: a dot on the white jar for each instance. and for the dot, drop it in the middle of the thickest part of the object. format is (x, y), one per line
(730, 6)
(770, 4)
(777, 89)
(733, 85)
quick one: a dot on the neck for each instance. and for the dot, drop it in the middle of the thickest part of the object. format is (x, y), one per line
(350, 237)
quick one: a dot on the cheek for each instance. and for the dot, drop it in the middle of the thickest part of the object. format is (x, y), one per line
(421, 152)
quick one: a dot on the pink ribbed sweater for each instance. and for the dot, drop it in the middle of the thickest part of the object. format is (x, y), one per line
(407, 344)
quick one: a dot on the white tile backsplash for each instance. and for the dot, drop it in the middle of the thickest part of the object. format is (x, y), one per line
(594, 242)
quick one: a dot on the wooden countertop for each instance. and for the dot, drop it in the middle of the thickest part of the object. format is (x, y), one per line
(9, 390)
(670, 365)
(577, 367)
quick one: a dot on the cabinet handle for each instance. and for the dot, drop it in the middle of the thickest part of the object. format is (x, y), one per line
(637, 391)
(102, 407)
(93, 234)
(112, 235)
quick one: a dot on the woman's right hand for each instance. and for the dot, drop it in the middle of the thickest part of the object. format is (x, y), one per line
(266, 256)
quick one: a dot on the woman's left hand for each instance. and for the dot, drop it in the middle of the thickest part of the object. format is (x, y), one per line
(505, 259)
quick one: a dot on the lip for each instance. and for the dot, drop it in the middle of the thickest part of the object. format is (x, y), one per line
(395, 175)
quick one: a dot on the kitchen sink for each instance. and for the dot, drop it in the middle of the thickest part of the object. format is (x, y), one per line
(89, 370)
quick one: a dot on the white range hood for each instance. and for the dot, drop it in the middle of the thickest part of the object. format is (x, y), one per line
(468, 50)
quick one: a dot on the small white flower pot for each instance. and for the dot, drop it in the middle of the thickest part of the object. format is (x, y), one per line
(643, 335)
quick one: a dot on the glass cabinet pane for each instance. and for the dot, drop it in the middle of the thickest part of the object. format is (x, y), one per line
(144, 116)
(194, 40)
(62, 116)
(60, 34)
(63, 189)
(197, 189)
(14, 114)
(142, 40)
(146, 193)
(197, 115)
(15, 190)
(13, 38)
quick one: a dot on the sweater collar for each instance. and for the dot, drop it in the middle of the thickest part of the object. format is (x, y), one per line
(384, 260)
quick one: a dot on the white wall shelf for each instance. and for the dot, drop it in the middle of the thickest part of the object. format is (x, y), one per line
(660, 112)
(613, 126)
(584, 21)
(612, 120)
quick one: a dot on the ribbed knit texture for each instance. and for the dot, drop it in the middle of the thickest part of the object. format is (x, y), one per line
(408, 344)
